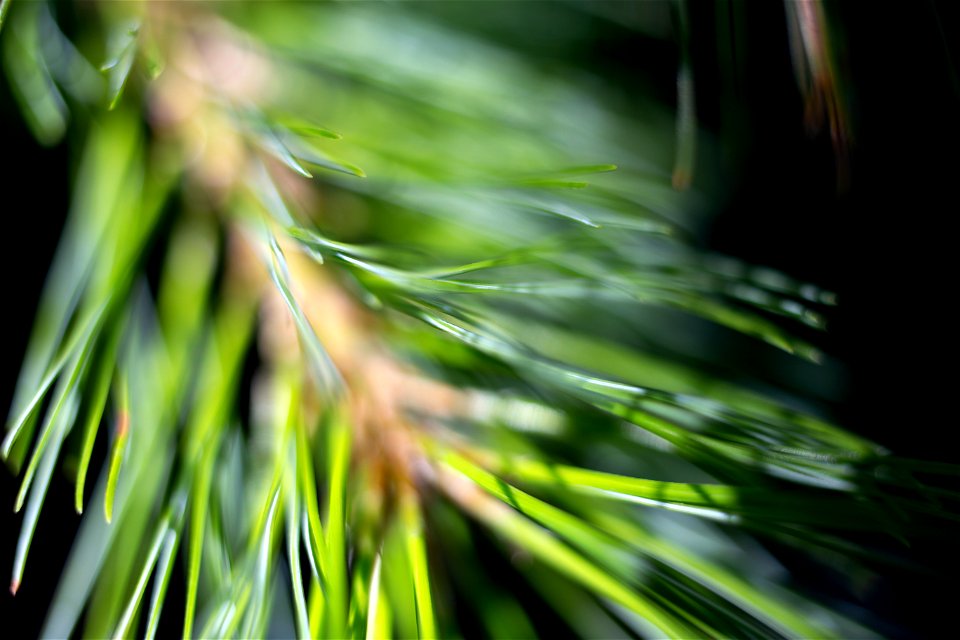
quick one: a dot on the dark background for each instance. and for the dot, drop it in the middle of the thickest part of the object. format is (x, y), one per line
(883, 243)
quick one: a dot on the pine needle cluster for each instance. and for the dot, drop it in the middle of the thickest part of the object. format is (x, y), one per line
(408, 365)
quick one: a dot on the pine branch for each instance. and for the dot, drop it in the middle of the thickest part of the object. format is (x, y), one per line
(468, 338)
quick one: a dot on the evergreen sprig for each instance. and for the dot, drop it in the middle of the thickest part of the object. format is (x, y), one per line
(465, 342)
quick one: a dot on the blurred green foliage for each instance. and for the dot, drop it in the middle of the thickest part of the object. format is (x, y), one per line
(466, 279)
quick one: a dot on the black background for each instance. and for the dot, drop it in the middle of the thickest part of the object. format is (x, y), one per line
(886, 244)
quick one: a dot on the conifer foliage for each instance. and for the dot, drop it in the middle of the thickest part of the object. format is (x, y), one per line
(385, 331)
